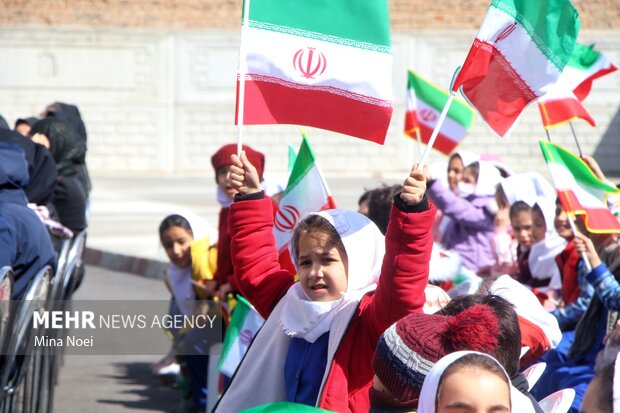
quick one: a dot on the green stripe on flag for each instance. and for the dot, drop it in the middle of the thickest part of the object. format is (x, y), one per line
(234, 327)
(365, 21)
(303, 164)
(583, 56)
(581, 172)
(543, 20)
(459, 111)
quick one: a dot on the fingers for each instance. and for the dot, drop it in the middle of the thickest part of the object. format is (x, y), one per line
(246, 163)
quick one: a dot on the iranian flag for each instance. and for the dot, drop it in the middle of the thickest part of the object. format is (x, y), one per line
(561, 106)
(320, 63)
(306, 192)
(244, 324)
(585, 65)
(518, 54)
(579, 190)
(424, 104)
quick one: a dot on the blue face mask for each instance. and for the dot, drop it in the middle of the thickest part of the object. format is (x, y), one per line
(464, 189)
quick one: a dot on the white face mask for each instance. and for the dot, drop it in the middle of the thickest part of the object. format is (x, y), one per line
(464, 189)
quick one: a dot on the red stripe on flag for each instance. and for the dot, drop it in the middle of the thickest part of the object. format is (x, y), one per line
(272, 103)
(443, 144)
(583, 89)
(411, 123)
(493, 87)
(555, 112)
(598, 221)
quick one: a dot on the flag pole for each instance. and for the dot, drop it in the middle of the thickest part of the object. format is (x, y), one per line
(418, 139)
(440, 121)
(243, 70)
(548, 136)
(572, 129)
(571, 219)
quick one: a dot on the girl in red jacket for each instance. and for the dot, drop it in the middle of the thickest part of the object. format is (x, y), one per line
(317, 344)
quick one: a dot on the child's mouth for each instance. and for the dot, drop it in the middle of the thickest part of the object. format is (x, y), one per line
(317, 287)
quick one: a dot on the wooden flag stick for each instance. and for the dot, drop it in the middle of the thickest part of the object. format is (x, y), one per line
(576, 140)
(571, 219)
(243, 70)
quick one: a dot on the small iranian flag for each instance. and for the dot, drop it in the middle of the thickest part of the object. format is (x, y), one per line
(561, 106)
(306, 192)
(518, 54)
(243, 326)
(585, 65)
(579, 190)
(424, 104)
(326, 64)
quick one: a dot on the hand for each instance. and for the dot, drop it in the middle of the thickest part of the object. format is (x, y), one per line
(591, 162)
(242, 175)
(223, 291)
(584, 244)
(436, 299)
(414, 186)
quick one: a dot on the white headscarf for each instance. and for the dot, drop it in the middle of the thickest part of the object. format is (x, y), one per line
(365, 248)
(428, 395)
(542, 254)
(467, 157)
(527, 187)
(488, 178)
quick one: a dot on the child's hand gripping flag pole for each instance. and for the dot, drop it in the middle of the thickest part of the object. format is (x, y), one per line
(518, 54)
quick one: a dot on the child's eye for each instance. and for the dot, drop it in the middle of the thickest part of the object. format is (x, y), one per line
(303, 263)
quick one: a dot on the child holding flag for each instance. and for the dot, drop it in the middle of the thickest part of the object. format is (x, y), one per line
(317, 344)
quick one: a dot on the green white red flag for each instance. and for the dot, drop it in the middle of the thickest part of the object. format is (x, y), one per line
(424, 104)
(579, 190)
(518, 54)
(244, 324)
(561, 106)
(326, 64)
(305, 192)
(584, 66)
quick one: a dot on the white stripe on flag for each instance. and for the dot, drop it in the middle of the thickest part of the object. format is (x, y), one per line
(519, 50)
(450, 128)
(273, 55)
(564, 180)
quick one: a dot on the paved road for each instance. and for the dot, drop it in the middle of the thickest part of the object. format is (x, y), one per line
(98, 384)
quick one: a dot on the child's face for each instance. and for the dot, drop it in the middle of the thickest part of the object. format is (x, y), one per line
(322, 269)
(469, 177)
(176, 241)
(522, 228)
(222, 182)
(562, 226)
(473, 389)
(539, 227)
(455, 171)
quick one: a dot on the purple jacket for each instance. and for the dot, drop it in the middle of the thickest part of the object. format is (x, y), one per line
(470, 228)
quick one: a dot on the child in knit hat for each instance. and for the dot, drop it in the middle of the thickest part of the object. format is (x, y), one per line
(407, 351)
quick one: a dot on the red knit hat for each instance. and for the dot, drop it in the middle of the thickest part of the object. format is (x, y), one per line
(221, 158)
(410, 347)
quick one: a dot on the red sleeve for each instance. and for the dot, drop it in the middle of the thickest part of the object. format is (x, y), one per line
(258, 273)
(404, 274)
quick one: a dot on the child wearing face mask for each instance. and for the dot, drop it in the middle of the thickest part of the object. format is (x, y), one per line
(471, 211)
(320, 333)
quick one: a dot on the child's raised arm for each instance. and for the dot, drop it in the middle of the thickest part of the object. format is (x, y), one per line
(408, 245)
(258, 273)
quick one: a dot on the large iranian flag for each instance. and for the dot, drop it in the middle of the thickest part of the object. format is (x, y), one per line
(424, 104)
(320, 63)
(518, 54)
(305, 192)
(585, 65)
(579, 190)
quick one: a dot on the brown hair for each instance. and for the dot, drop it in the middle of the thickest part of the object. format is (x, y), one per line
(314, 225)
(474, 168)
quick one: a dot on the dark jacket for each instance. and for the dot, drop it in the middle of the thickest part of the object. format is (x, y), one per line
(25, 244)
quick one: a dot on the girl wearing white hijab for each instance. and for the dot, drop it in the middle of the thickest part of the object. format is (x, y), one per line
(320, 332)
(469, 381)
